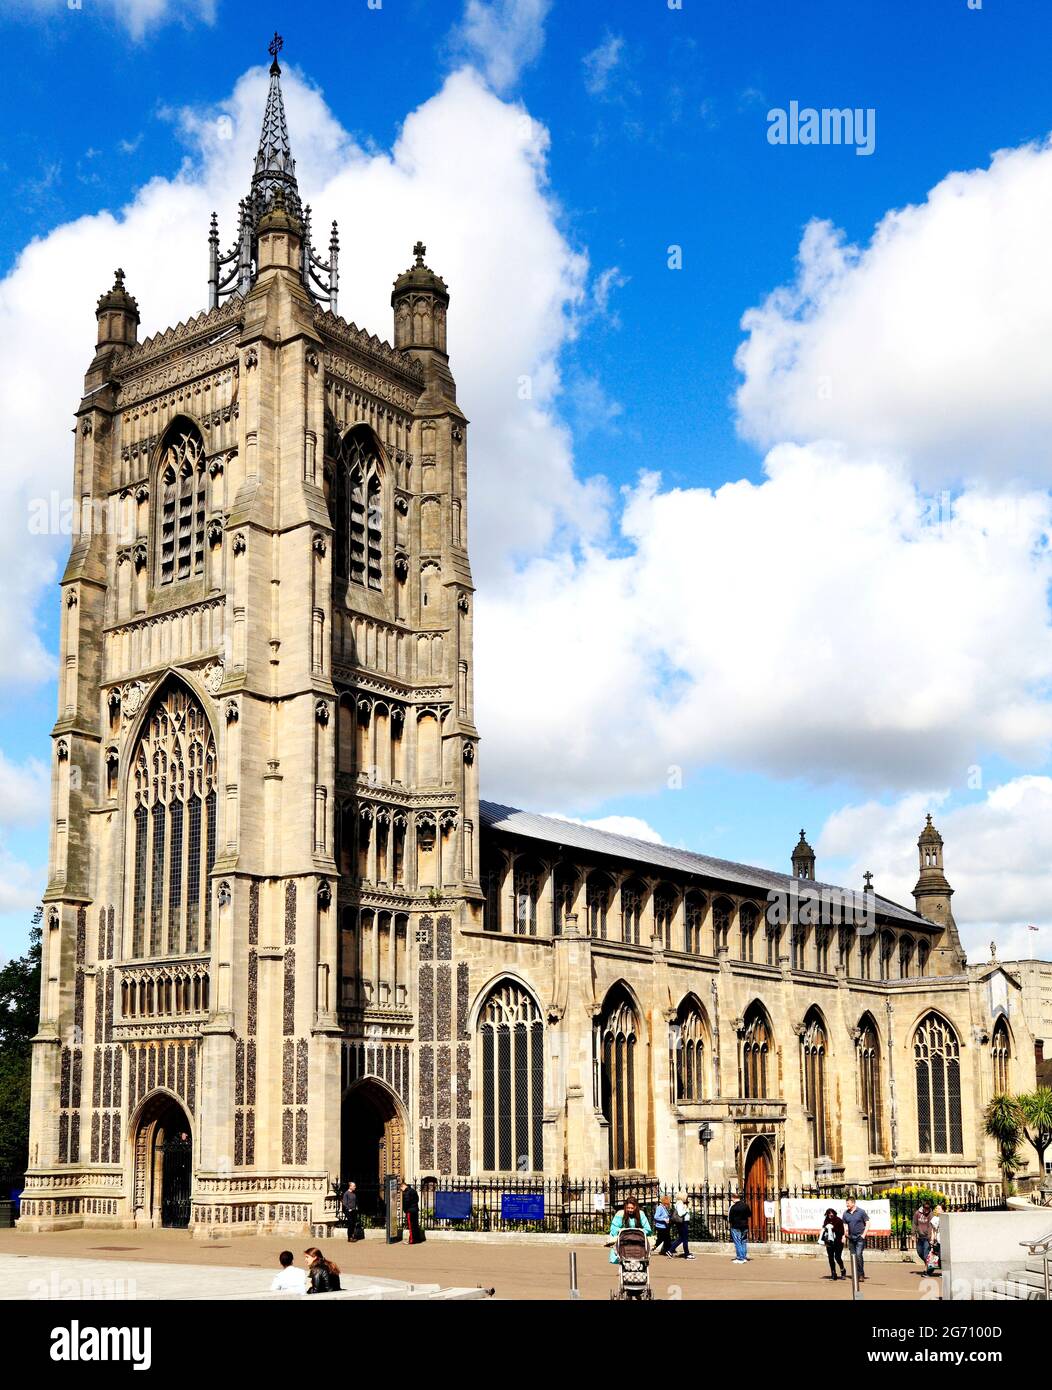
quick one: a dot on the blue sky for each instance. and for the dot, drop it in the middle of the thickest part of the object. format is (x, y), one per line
(656, 123)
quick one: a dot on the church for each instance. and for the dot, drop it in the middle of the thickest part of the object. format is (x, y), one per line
(285, 943)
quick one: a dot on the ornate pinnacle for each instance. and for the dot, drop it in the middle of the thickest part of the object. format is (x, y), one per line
(275, 46)
(420, 251)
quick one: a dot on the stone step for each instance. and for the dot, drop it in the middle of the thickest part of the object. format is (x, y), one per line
(1017, 1287)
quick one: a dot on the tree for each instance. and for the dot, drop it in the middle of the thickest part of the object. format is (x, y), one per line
(1003, 1122)
(1035, 1110)
(19, 1011)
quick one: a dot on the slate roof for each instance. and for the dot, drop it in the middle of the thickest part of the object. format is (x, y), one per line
(584, 837)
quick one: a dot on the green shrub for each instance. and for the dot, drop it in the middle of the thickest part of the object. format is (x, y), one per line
(906, 1199)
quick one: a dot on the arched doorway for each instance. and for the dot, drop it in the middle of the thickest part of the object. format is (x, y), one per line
(163, 1157)
(372, 1141)
(758, 1185)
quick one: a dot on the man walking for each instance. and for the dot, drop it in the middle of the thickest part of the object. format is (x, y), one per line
(350, 1210)
(739, 1216)
(856, 1224)
(922, 1232)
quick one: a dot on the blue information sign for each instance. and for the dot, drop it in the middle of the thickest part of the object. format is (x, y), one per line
(522, 1206)
(452, 1206)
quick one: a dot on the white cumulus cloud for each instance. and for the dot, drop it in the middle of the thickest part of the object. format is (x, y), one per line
(822, 623)
(997, 856)
(932, 340)
(502, 37)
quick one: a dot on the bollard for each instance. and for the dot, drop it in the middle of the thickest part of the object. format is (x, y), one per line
(575, 1292)
(856, 1292)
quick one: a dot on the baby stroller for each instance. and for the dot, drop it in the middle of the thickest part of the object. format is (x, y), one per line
(633, 1253)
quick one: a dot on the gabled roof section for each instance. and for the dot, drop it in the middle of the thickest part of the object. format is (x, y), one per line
(528, 824)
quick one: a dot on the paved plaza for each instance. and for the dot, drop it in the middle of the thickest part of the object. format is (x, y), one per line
(153, 1264)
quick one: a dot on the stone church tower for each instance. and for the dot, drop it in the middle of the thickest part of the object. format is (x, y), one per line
(265, 804)
(284, 941)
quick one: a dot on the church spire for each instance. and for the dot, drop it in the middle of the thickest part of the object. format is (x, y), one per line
(273, 184)
(275, 166)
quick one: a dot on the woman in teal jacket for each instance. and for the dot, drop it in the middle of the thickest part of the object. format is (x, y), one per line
(629, 1215)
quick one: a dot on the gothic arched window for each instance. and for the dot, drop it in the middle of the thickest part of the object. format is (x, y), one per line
(181, 488)
(814, 1047)
(564, 890)
(511, 1050)
(598, 902)
(937, 1058)
(527, 891)
(757, 1045)
(887, 953)
(632, 896)
(1000, 1056)
(172, 810)
(923, 952)
(865, 957)
(869, 1092)
(748, 917)
(722, 911)
(823, 938)
(687, 1042)
(615, 1051)
(664, 911)
(693, 916)
(906, 945)
(773, 935)
(359, 523)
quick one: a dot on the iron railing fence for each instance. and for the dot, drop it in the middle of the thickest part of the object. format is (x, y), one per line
(586, 1206)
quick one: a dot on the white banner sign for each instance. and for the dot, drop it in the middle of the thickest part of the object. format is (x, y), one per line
(803, 1215)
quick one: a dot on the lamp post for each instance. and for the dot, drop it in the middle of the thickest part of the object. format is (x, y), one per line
(705, 1139)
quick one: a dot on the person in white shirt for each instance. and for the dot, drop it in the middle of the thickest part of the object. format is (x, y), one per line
(289, 1279)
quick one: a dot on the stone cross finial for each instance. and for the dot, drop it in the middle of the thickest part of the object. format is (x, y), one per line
(867, 878)
(118, 279)
(993, 950)
(420, 251)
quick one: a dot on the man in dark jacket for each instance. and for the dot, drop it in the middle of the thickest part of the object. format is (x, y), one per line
(739, 1217)
(411, 1212)
(349, 1201)
(922, 1232)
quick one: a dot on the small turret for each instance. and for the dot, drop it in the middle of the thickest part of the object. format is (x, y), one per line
(803, 859)
(118, 316)
(932, 893)
(420, 300)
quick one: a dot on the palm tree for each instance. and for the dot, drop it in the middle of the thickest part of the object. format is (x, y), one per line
(1003, 1122)
(1035, 1111)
